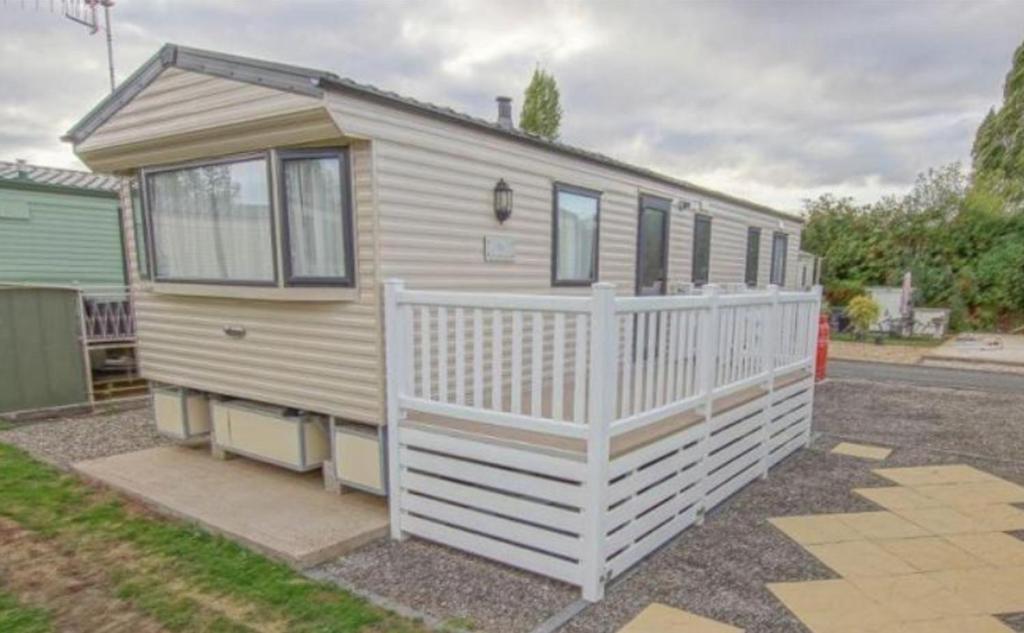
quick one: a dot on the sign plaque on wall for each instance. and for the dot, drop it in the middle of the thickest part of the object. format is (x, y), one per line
(499, 248)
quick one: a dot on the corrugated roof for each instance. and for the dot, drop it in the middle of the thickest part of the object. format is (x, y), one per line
(308, 80)
(56, 177)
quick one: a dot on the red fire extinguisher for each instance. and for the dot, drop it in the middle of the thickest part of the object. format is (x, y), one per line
(822, 360)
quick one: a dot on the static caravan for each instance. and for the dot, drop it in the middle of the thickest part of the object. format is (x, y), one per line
(509, 336)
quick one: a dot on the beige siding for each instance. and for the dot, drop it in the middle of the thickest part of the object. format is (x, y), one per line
(184, 115)
(436, 181)
(318, 356)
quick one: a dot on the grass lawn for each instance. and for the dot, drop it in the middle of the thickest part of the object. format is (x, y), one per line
(72, 556)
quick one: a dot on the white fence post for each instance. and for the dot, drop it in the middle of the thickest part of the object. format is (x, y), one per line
(396, 369)
(708, 366)
(813, 334)
(772, 334)
(603, 371)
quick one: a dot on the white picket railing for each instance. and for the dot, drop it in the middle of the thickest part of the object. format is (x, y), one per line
(566, 384)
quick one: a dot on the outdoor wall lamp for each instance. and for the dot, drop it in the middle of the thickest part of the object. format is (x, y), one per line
(502, 201)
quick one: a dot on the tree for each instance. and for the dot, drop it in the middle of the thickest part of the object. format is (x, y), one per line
(998, 150)
(542, 112)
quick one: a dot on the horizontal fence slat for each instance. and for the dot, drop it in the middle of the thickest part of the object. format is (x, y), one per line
(498, 418)
(529, 303)
(493, 477)
(490, 452)
(493, 549)
(496, 502)
(506, 529)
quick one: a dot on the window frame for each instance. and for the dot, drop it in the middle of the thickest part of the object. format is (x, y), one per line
(557, 188)
(267, 157)
(785, 255)
(140, 228)
(348, 217)
(700, 217)
(752, 283)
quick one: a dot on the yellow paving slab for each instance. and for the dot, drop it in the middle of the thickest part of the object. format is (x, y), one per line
(996, 517)
(928, 475)
(897, 497)
(995, 548)
(815, 528)
(864, 451)
(965, 624)
(913, 597)
(859, 558)
(931, 553)
(975, 493)
(942, 520)
(827, 606)
(660, 618)
(881, 525)
(991, 590)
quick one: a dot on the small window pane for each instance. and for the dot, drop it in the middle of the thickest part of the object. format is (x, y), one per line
(576, 250)
(212, 223)
(780, 244)
(316, 218)
(139, 231)
(753, 255)
(701, 250)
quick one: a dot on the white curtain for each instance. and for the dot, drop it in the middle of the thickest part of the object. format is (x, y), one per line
(577, 236)
(213, 223)
(316, 226)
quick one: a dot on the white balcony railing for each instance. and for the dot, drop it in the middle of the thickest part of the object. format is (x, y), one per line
(570, 435)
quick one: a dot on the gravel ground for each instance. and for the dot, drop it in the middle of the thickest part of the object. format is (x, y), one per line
(869, 351)
(66, 440)
(720, 570)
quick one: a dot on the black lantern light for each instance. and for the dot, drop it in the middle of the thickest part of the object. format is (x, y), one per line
(502, 201)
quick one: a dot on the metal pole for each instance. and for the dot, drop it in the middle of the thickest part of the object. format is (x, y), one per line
(110, 43)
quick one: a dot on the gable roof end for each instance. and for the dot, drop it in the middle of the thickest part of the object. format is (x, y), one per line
(272, 75)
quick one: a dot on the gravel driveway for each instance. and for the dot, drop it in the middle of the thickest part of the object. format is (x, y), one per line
(66, 440)
(720, 570)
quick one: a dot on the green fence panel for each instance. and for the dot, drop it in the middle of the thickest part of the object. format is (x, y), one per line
(41, 362)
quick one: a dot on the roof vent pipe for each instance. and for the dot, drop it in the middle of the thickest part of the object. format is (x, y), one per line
(505, 113)
(22, 168)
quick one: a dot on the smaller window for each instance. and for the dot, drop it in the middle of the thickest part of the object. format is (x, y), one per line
(701, 273)
(780, 244)
(753, 255)
(575, 242)
(316, 218)
(139, 231)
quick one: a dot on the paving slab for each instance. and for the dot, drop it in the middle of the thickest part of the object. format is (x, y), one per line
(862, 451)
(285, 515)
(660, 618)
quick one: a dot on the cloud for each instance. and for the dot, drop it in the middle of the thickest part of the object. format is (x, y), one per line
(776, 101)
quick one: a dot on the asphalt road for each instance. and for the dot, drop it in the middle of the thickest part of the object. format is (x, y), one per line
(928, 376)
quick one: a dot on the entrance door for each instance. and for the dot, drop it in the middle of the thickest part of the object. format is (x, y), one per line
(652, 246)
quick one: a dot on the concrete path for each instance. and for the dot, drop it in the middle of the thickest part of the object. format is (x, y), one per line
(928, 376)
(285, 515)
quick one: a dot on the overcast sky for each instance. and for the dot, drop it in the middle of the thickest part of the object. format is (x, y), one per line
(774, 101)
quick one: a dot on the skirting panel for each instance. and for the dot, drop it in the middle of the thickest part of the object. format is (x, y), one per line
(485, 499)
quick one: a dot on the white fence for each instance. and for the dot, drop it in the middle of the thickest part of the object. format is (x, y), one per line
(572, 435)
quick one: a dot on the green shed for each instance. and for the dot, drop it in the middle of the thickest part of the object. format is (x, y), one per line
(59, 226)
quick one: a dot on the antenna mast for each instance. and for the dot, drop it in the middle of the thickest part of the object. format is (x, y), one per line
(84, 12)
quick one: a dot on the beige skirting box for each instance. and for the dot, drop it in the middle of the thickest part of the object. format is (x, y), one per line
(270, 434)
(181, 414)
(357, 457)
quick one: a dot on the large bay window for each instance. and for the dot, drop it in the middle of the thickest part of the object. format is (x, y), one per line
(217, 222)
(576, 226)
